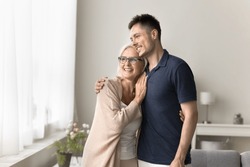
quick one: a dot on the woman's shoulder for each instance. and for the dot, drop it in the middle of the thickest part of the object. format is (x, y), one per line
(113, 82)
(113, 85)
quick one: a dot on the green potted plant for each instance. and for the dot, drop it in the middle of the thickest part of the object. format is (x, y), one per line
(72, 144)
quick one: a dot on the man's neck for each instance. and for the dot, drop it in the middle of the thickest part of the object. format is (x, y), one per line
(155, 57)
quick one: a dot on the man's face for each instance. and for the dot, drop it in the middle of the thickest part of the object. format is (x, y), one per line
(141, 39)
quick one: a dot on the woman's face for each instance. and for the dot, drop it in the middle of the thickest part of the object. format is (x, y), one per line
(130, 64)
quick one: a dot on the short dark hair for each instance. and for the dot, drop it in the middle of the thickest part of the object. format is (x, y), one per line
(146, 20)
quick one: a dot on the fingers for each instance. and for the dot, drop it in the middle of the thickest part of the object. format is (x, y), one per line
(99, 84)
(143, 79)
(140, 88)
(182, 117)
(141, 83)
(98, 87)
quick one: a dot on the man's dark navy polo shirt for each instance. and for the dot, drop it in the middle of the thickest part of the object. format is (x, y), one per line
(170, 83)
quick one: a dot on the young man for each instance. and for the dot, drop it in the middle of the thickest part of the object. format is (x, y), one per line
(164, 139)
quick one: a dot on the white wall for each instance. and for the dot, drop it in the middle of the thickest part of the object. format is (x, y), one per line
(213, 36)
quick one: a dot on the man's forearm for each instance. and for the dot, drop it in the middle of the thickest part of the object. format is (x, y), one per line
(188, 128)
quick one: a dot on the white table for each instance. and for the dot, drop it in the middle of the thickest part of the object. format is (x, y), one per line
(226, 130)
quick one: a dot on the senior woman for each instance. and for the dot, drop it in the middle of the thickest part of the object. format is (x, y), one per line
(112, 138)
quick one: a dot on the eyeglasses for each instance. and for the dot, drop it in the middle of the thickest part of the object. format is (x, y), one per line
(132, 60)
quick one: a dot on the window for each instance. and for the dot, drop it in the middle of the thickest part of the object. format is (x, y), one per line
(37, 62)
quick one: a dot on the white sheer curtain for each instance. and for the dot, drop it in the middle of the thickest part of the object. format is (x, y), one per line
(37, 62)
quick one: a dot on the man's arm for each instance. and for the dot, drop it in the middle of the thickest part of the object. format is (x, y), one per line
(189, 110)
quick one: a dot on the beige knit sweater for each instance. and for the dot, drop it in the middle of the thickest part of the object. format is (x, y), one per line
(102, 147)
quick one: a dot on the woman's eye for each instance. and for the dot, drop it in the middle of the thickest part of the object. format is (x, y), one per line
(133, 60)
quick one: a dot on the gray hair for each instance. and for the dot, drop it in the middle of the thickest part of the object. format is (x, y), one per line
(122, 50)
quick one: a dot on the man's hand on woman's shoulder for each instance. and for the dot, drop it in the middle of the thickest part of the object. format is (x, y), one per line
(99, 84)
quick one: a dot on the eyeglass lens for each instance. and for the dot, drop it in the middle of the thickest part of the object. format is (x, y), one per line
(131, 60)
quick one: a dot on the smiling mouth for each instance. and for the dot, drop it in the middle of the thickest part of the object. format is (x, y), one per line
(127, 69)
(138, 49)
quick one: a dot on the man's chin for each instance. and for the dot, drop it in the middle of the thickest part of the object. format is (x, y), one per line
(141, 54)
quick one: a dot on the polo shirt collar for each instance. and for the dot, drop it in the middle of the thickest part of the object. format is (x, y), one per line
(164, 59)
(162, 62)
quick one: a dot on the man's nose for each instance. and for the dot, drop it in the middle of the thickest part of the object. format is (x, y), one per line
(134, 43)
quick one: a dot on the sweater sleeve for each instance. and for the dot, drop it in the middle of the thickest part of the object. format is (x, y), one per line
(109, 103)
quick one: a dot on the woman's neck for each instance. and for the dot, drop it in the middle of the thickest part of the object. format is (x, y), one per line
(128, 91)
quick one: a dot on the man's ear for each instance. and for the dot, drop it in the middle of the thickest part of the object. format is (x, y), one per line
(154, 33)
